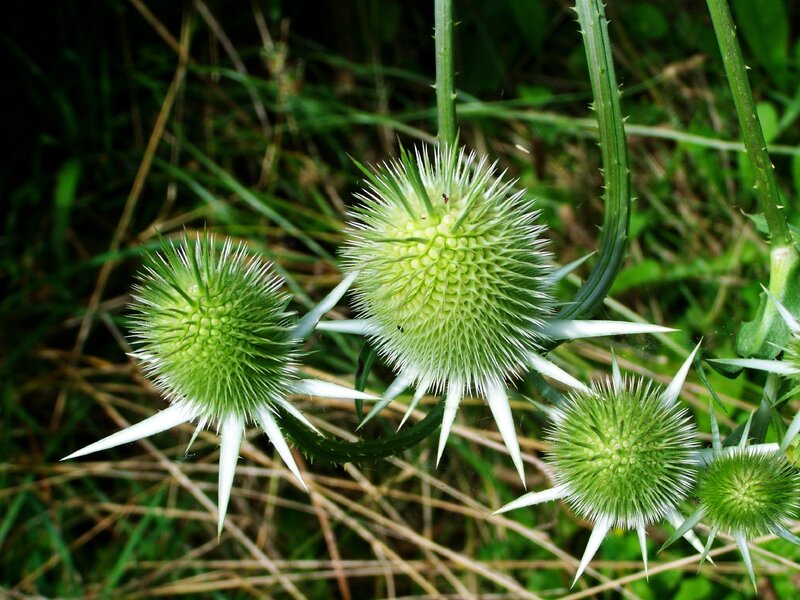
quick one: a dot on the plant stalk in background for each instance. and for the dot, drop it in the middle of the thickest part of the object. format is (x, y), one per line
(760, 337)
(445, 73)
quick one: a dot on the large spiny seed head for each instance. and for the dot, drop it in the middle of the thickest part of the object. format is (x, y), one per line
(749, 492)
(622, 454)
(212, 330)
(453, 270)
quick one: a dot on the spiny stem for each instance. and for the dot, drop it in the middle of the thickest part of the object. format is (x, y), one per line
(445, 74)
(613, 149)
(340, 451)
(766, 188)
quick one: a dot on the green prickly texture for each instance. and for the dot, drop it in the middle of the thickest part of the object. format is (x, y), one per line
(743, 491)
(622, 454)
(212, 330)
(453, 270)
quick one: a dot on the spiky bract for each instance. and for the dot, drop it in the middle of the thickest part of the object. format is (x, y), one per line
(792, 352)
(453, 270)
(622, 455)
(212, 329)
(749, 492)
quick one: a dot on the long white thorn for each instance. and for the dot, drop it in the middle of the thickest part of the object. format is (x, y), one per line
(545, 367)
(785, 534)
(573, 329)
(421, 390)
(295, 412)
(791, 432)
(497, 398)
(306, 325)
(275, 435)
(641, 532)
(704, 456)
(200, 426)
(230, 442)
(598, 535)
(534, 498)
(562, 272)
(161, 421)
(352, 326)
(398, 386)
(616, 376)
(401, 382)
(778, 367)
(741, 542)
(670, 395)
(709, 542)
(676, 520)
(326, 389)
(455, 391)
(746, 432)
(787, 317)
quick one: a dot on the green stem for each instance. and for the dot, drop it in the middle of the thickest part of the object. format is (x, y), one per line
(766, 188)
(613, 149)
(445, 74)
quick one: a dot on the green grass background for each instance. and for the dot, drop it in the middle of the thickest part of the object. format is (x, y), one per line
(128, 119)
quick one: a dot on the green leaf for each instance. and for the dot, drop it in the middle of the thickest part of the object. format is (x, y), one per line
(531, 20)
(696, 588)
(634, 276)
(768, 116)
(764, 25)
(766, 335)
(648, 21)
(63, 201)
(728, 371)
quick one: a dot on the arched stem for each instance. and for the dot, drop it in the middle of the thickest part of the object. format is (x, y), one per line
(613, 148)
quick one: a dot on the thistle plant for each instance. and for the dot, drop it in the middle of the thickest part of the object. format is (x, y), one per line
(453, 282)
(213, 332)
(745, 491)
(621, 453)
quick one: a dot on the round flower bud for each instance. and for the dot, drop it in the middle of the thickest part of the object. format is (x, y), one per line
(622, 455)
(212, 329)
(453, 272)
(749, 492)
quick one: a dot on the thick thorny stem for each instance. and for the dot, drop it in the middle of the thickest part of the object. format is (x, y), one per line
(445, 73)
(613, 148)
(763, 171)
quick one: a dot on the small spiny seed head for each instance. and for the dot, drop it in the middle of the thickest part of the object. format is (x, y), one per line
(749, 492)
(212, 330)
(453, 268)
(622, 454)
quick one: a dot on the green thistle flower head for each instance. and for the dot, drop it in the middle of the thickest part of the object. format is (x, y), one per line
(622, 455)
(212, 329)
(750, 493)
(452, 269)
